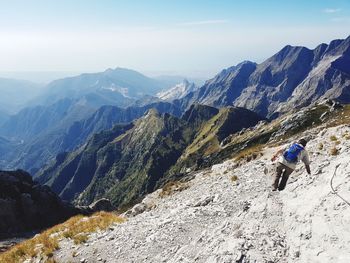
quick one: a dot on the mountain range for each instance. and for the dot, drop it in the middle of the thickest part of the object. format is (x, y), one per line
(178, 157)
(64, 101)
(294, 77)
(40, 137)
(131, 160)
(119, 87)
(89, 137)
(42, 130)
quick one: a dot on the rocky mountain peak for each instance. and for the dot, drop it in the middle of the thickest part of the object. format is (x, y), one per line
(334, 44)
(225, 73)
(179, 91)
(199, 112)
(152, 113)
(287, 56)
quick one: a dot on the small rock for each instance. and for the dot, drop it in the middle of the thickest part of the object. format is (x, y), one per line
(137, 209)
(205, 201)
(246, 205)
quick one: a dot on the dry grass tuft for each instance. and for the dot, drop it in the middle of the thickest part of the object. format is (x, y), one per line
(333, 151)
(172, 187)
(45, 244)
(78, 229)
(81, 238)
(346, 136)
(249, 154)
(234, 178)
(333, 138)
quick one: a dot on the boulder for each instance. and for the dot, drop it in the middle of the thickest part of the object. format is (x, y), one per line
(102, 205)
(136, 209)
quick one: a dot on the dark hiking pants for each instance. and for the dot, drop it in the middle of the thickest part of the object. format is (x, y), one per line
(284, 172)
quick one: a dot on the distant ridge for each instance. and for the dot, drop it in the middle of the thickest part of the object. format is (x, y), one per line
(294, 77)
(119, 87)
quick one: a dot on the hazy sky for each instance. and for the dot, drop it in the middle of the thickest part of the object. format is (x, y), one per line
(160, 36)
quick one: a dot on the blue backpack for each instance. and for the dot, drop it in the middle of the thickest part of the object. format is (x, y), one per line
(291, 155)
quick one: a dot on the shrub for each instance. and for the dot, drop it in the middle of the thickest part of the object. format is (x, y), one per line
(320, 146)
(234, 178)
(333, 151)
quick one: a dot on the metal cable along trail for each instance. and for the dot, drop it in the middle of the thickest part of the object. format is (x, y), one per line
(333, 190)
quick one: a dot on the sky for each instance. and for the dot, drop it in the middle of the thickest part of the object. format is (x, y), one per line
(160, 37)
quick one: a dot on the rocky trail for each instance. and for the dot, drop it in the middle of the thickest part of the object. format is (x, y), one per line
(229, 214)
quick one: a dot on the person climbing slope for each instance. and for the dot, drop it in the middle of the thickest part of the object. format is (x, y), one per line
(288, 162)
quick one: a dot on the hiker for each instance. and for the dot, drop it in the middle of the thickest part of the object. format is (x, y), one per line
(288, 162)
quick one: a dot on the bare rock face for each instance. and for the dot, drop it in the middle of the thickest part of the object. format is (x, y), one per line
(26, 206)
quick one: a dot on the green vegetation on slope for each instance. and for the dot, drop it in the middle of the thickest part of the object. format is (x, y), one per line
(208, 140)
(122, 164)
